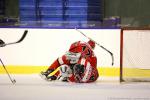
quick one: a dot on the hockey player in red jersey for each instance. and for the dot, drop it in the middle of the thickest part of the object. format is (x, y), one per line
(78, 64)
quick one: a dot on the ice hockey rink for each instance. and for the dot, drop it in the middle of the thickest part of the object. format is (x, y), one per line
(34, 33)
(32, 87)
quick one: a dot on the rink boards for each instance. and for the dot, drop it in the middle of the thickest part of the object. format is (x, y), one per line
(42, 46)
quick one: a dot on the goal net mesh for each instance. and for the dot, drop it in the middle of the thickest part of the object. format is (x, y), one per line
(135, 55)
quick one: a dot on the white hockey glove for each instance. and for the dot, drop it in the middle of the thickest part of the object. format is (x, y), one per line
(65, 72)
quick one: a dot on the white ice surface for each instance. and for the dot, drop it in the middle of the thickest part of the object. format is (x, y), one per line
(32, 87)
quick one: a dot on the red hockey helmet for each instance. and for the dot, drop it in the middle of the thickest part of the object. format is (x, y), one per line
(91, 43)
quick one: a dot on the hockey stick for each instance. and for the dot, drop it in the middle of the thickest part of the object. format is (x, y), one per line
(2, 43)
(98, 45)
(21, 39)
(12, 80)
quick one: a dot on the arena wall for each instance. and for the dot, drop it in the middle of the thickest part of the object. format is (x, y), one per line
(42, 46)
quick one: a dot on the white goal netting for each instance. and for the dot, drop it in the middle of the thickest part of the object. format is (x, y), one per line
(135, 55)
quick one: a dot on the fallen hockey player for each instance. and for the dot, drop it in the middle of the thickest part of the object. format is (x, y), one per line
(78, 65)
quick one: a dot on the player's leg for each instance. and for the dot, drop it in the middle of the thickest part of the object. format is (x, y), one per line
(57, 63)
(94, 75)
(51, 68)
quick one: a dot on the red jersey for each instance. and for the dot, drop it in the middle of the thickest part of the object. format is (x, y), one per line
(87, 58)
(79, 53)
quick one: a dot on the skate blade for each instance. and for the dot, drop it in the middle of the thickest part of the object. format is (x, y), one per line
(44, 77)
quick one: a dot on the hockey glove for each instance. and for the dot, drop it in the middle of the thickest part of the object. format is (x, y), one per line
(78, 71)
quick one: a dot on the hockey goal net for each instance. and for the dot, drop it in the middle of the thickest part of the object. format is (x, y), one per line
(135, 54)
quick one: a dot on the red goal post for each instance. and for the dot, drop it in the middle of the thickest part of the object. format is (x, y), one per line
(135, 54)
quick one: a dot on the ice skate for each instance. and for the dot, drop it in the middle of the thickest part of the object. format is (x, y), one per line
(51, 78)
(45, 75)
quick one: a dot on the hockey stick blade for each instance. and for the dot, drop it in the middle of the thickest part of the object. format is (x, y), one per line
(14, 81)
(23, 36)
(2, 43)
(20, 40)
(98, 45)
